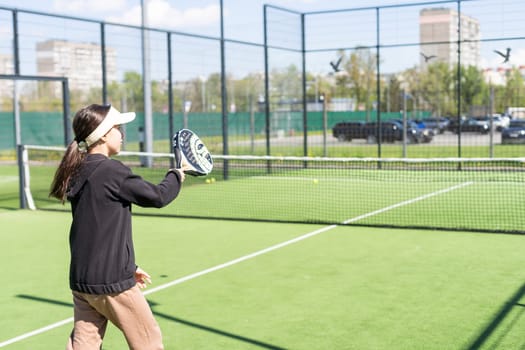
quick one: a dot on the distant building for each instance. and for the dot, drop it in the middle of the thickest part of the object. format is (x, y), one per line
(80, 62)
(499, 75)
(6, 67)
(342, 104)
(440, 26)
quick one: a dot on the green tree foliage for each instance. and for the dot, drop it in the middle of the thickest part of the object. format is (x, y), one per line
(472, 86)
(436, 86)
(285, 84)
(431, 89)
(511, 94)
(391, 96)
(360, 78)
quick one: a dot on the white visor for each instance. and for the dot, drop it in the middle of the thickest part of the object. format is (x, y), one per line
(113, 118)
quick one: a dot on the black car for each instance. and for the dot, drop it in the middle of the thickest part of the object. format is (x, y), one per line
(424, 133)
(515, 133)
(346, 131)
(438, 124)
(470, 124)
(391, 131)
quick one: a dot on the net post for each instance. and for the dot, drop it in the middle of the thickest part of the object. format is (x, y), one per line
(26, 199)
(21, 177)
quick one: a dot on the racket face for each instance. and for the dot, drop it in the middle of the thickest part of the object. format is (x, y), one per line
(189, 147)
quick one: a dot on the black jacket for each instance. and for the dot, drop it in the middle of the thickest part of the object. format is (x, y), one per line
(101, 246)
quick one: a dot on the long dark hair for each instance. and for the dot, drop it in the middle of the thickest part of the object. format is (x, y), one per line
(85, 121)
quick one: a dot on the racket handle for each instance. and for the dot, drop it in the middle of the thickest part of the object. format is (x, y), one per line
(178, 157)
(176, 151)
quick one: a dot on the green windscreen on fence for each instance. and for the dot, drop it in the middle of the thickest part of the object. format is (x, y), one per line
(47, 128)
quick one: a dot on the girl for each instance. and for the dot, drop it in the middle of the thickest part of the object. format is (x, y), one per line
(103, 276)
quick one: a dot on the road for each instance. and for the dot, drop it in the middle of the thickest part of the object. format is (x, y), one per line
(448, 138)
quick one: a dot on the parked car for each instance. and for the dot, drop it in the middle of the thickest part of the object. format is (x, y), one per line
(346, 131)
(438, 124)
(515, 133)
(426, 134)
(391, 131)
(500, 122)
(452, 124)
(470, 125)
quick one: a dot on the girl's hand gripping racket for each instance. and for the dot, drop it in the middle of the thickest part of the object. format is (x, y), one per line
(191, 151)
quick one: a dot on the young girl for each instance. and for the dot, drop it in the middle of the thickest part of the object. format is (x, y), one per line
(103, 276)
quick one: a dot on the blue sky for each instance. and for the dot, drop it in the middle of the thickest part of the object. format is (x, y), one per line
(194, 16)
(179, 13)
(499, 18)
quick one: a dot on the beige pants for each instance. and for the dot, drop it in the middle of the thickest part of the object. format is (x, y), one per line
(129, 311)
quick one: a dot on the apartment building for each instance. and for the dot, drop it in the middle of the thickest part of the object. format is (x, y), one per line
(80, 62)
(6, 67)
(438, 36)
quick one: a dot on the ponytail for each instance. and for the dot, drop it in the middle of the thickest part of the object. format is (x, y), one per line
(68, 167)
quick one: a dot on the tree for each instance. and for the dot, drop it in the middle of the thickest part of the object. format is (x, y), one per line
(132, 91)
(472, 87)
(437, 88)
(286, 84)
(248, 91)
(361, 77)
(213, 88)
(512, 94)
(391, 101)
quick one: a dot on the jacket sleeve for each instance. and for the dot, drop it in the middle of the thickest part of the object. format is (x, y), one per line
(145, 194)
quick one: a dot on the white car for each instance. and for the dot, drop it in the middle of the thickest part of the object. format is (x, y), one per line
(500, 122)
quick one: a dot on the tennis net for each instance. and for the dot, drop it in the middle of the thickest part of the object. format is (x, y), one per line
(482, 194)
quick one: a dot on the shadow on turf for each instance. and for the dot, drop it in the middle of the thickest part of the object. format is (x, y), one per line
(9, 208)
(498, 319)
(170, 318)
(10, 202)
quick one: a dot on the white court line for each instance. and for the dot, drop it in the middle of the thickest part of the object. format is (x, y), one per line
(36, 332)
(246, 257)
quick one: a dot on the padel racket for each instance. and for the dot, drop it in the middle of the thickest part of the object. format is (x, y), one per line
(188, 148)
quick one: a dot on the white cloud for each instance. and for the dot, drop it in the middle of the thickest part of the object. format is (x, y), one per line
(162, 15)
(86, 7)
(131, 16)
(296, 2)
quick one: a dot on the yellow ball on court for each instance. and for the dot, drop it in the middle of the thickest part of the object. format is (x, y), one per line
(212, 179)
(208, 181)
(315, 181)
